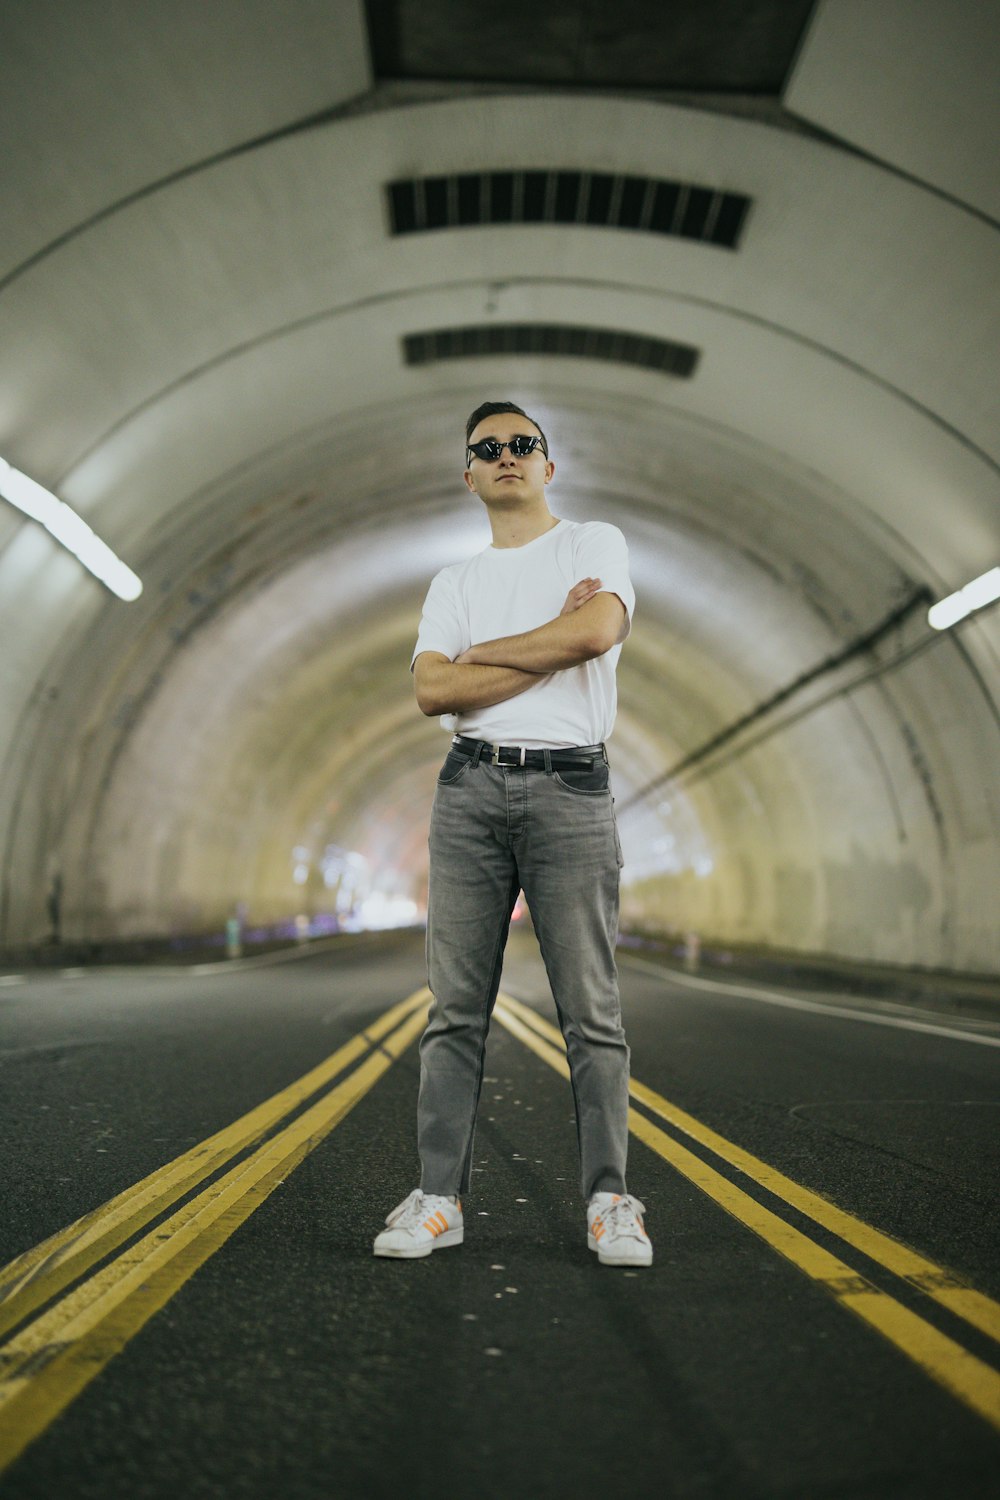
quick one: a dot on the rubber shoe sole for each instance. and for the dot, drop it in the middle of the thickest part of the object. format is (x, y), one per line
(416, 1252)
(643, 1255)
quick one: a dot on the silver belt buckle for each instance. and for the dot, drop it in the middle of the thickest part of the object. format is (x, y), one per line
(494, 755)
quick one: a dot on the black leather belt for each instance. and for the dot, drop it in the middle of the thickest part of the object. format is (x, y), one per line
(581, 756)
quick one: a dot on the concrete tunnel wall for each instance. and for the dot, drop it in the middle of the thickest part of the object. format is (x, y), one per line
(834, 456)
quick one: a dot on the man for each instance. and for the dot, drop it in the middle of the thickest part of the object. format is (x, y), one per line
(517, 651)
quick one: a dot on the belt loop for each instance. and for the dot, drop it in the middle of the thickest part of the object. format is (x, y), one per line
(477, 753)
(523, 754)
(547, 757)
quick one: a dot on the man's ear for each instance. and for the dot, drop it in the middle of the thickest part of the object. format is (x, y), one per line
(468, 480)
(550, 469)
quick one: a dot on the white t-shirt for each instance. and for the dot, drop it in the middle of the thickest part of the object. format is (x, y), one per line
(509, 590)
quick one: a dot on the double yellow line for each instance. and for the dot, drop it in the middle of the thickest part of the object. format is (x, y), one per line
(66, 1320)
(53, 1356)
(969, 1378)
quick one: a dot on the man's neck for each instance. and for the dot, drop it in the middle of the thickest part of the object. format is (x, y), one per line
(518, 528)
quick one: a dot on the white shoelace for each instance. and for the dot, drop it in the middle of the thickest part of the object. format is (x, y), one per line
(413, 1210)
(621, 1218)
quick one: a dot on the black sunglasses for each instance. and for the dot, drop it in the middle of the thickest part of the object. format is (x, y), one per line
(489, 450)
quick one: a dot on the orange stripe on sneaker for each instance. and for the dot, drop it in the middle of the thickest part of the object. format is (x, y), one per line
(441, 1220)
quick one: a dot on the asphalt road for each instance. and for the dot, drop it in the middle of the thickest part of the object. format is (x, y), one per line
(776, 1348)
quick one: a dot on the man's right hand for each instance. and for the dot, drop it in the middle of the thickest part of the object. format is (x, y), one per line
(445, 687)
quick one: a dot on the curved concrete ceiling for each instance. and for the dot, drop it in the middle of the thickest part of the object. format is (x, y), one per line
(202, 310)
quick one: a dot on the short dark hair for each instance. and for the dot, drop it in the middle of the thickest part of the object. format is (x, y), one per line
(496, 409)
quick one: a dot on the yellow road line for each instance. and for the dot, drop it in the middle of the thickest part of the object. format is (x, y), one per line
(34, 1277)
(933, 1280)
(970, 1379)
(51, 1360)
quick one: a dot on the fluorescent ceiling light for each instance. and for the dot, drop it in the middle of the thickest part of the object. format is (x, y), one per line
(982, 590)
(71, 530)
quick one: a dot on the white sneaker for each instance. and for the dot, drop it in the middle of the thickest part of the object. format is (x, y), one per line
(421, 1223)
(615, 1230)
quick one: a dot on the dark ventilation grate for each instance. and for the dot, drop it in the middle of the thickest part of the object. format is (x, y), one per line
(686, 47)
(600, 199)
(551, 338)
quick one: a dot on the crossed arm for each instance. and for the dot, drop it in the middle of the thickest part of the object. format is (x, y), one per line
(589, 624)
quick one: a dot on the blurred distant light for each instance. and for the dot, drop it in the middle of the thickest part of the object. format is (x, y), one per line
(982, 590)
(381, 911)
(71, 530)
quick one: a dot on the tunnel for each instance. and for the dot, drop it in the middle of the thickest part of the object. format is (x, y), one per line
(208, 351)
(740, 262)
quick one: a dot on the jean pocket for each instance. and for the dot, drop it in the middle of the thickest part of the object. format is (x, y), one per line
(454, 768)
(591, 779)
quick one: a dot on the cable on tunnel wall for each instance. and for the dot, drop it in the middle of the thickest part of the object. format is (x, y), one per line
(920, 598)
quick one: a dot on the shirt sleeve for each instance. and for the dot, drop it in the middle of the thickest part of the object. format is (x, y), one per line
(441, 625)
(602, 552)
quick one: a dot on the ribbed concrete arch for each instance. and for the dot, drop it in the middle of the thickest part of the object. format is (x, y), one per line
(281, 717)
(212, 373)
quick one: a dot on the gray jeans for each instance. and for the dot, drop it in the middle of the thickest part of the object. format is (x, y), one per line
(495, 831)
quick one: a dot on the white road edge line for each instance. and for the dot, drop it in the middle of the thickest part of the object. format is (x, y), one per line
(816, 1007)
(255, 960)
(216, 966)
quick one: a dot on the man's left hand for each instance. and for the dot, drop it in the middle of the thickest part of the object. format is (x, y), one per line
(580, 593)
